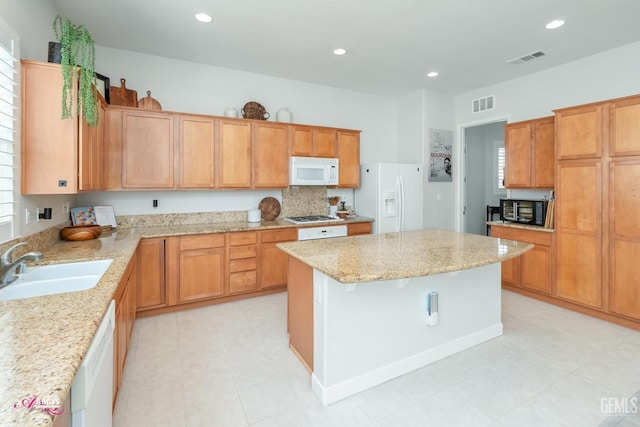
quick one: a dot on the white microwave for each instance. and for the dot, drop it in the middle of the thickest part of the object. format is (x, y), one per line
(313, 171)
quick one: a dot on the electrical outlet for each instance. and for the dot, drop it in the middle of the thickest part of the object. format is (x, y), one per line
(27, 216)
(38, 210)
(66, 208)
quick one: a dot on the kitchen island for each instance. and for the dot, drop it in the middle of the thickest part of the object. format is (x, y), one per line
(358, 306)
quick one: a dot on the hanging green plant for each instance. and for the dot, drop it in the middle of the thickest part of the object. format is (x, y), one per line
(77, 49)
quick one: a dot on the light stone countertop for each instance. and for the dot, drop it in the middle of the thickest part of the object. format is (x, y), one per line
(402, 255)
(509, 224)
(43, 339)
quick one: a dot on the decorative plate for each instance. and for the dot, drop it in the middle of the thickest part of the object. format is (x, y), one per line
(270, 208)
(253, 110)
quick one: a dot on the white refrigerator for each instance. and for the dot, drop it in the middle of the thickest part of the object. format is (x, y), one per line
(391, 193)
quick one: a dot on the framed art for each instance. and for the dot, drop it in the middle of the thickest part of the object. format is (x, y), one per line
(102, 85)
(440, 155)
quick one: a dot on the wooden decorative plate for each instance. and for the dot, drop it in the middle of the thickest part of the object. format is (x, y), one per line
(270, 208)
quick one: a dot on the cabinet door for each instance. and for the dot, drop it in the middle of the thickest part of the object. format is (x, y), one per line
(113, 149)
(544, 154)
(535, 269)
(301, 141)
(234, 154)
(517, 145)
(147, 150)
(624, 127)
(49, 144)
(349, 159)
(324, 142)
(91, 153)
(196, 152)
(358, 228)
(273, 262)
(624, 237)
(151, 292)
(201, 274)
(270, 155)
(578, 232)
(579, 132)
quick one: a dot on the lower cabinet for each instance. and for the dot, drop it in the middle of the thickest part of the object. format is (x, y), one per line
(200, 267)
(358, 228)
(151, 276)
(125, 297)
(534, 269)
(243, 262)
(273, 262)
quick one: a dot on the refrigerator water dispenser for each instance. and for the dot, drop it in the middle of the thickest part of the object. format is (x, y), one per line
(390, 203)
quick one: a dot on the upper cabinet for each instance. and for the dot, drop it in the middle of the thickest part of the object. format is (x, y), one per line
(624, 127)
(55, 151)
(530, 154)
(270, 148)
(147, 150)
(349, 159)
(579, 132)
(312, 141)
(196, 152)
(234, 154)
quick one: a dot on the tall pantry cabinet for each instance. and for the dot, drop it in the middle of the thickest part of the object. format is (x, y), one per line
(597, 201)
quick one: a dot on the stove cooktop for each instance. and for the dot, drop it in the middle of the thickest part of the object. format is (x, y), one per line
(312, 219)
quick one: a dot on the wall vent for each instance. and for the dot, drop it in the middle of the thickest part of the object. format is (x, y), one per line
(528, 57)
(483, 104)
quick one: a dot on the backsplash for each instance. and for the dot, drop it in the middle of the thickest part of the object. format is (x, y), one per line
(304, 200)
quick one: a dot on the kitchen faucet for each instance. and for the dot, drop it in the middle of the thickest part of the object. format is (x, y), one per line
(8, 267)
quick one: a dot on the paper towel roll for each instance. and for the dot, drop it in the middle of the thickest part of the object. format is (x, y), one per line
(254, 215)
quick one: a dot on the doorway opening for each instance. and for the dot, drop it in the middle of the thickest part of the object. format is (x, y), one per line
(480, 180)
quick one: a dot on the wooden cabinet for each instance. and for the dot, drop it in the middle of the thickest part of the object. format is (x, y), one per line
(349, 159)
(300, 311)
(151, 274)
(270, 148)
(51, 157)
(597, 200)
(273, 262)
(125, 297)
(234, 154)
(201, 267)
(147, 149)
(624, 234)
(534, 269)
(358, 228)
(196, 152)
(530, 154)
(579, 132)
(243, 263)
(91, 152)
(313, 141)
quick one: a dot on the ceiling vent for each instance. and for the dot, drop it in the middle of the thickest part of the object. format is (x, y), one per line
(528, 57)
(483, 104)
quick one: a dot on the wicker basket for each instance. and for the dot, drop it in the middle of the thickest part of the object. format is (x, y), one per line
(253, 110)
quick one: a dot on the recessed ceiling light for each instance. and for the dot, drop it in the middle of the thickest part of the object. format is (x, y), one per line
(556, 23)
(339, 51)
(203, 17)
(432, 74)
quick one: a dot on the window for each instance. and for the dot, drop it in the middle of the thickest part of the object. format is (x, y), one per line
(7, 134)
(498, 167)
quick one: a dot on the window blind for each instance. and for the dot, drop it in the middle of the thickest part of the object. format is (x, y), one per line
(7, 136)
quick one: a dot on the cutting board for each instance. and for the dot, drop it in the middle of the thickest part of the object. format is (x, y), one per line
(123, 96)
(148, 103)
(270, 208)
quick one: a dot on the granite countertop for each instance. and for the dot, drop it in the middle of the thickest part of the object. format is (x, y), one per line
(521, 226)
(401, 255)
(43, 339)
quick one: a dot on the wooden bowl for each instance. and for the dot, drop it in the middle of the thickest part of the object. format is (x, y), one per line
(80, 232)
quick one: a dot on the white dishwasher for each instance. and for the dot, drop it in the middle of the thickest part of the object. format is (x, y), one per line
(92, 387)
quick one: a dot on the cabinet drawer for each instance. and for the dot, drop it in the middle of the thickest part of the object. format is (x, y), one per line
(238, 239)
(243, 281)
(279, 235)
(201, 242)
(359, 228)
(242, 265)
(240, 252)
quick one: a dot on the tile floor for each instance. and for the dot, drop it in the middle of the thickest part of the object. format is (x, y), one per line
(229, 365)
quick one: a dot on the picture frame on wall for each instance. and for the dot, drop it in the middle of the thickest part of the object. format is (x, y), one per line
(440, 155)
(102, 86)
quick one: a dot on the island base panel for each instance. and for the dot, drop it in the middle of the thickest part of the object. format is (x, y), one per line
(368, 333)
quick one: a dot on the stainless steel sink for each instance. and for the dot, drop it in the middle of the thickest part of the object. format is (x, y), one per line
(56, 279)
